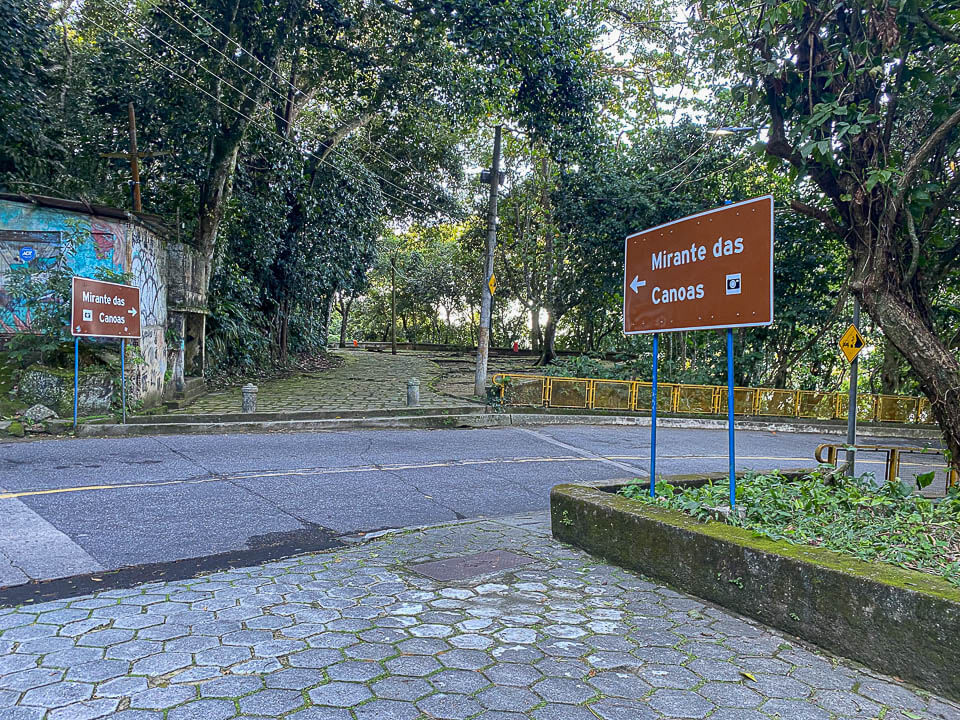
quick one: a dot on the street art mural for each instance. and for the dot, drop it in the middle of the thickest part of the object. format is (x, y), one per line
(34, 236)
(23, 249)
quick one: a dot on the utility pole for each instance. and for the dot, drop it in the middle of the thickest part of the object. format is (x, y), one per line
(393, 305)
(134, 160)
(852, 402)
(133, 157)
(483, 340)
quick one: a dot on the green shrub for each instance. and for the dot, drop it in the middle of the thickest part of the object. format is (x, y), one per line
(853, 516)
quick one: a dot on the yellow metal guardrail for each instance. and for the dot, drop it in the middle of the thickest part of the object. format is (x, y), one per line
(893, 460)
(635, 396)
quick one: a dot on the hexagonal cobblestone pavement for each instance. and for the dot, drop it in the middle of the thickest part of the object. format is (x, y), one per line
(366, 381)
(356, 635)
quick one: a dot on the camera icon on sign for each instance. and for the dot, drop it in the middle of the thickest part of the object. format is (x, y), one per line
(87, 315)
(733, 284)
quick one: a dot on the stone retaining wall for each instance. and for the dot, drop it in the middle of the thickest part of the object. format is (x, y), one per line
(899, 622)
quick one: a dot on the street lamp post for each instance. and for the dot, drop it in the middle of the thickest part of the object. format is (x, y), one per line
(483, 339)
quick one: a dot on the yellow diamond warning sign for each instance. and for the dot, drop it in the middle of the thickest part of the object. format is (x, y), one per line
(851, 343)
(492, 284)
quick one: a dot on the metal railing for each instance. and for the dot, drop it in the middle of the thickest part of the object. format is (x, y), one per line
(894, 459)
(682, 398)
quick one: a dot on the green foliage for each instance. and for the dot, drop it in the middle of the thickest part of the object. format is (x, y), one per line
(237, 334)
(586, 367)
(27, 150)
(859, 101)
(853, 516)
(43, 292)
(297, 232)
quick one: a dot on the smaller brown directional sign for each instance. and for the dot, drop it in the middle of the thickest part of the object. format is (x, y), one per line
(104, 309)
(851, 343)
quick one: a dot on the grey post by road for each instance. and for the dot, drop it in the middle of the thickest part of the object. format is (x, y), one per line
(483, 340)
(248, 394)
(852, 404)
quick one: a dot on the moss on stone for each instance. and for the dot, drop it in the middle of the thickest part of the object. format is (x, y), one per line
(16, 429)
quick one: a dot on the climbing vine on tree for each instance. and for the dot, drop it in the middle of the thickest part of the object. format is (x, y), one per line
(860, 100)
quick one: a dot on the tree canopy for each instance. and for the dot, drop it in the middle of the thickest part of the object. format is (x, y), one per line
(321, 156)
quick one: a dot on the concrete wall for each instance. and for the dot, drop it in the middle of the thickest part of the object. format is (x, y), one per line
(98, 243)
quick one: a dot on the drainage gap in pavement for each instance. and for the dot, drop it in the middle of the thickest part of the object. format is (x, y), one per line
(469, 566)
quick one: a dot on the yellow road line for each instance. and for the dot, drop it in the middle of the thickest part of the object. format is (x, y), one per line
(312, 472)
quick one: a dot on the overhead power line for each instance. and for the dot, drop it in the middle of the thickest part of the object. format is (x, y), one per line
(217, 50)
(250, 119)
(282, 79)
(234, 42)
(254, 100)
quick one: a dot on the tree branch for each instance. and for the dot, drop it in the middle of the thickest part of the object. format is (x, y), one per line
(948, 194)
(335, 138)
(779, 146)
(920, 156)
(945, 33)
(818, 214)
(914, 250)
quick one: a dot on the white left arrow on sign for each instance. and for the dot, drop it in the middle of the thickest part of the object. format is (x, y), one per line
(637, 283)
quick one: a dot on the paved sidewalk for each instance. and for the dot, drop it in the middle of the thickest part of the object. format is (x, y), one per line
(356, 634)
(365, 381)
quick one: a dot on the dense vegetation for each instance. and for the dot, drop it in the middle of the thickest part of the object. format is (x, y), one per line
(854, 516)
(321, 155)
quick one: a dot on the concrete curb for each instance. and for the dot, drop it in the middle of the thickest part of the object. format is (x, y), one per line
(234, 417)
(481, 420)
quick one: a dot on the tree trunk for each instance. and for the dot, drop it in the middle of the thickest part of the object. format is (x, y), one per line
(344, 314)
(937, 369)
(284, 329)
(536, 334)
(548, 352)
(890, 370)
(215, 194)
(327, 312)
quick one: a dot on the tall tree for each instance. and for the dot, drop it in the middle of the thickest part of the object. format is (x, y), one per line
(27, 151)
(861, 98)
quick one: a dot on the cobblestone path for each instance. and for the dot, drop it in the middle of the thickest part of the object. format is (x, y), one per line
(366, 381)
(356, 634)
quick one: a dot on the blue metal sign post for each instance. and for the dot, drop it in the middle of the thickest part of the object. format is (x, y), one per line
(123, 379)
(710, 270)
(653, 418)
(76, 378)
(733, 457)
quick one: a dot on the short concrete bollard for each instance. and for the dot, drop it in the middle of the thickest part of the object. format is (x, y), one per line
(249, 393)
(413, 392)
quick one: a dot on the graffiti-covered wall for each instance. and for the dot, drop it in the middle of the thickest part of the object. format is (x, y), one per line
(33, 234)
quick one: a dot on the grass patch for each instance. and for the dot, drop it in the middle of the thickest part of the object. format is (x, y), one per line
(8, 405)
(853, 516)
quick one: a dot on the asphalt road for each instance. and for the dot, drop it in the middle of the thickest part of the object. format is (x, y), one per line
(77, 507)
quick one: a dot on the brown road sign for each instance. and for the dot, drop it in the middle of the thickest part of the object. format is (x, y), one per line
(851, 343)
(104, 309)
(710, 270)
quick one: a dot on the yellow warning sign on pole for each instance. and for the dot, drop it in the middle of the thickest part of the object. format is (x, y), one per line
(851, 343)
(492, 284)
